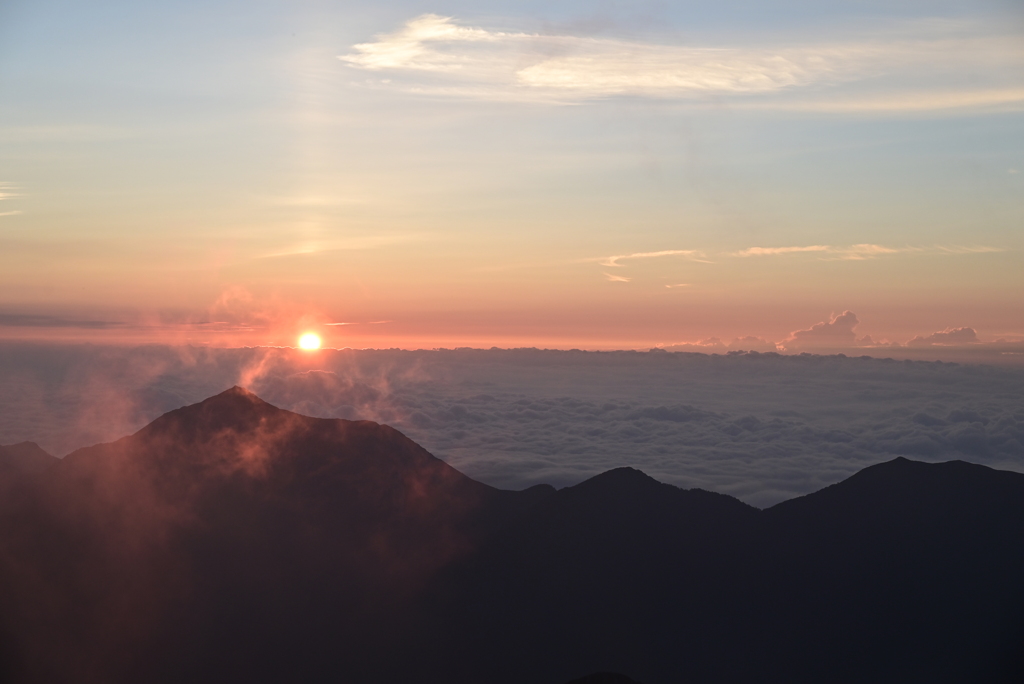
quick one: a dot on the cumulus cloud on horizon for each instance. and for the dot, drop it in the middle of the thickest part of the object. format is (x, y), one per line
(835, 332)
(838, 333)
(947, 337)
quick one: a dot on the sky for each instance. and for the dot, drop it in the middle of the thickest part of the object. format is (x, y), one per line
(691, 175)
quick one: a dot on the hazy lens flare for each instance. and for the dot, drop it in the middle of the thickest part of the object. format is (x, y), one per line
(309, 341)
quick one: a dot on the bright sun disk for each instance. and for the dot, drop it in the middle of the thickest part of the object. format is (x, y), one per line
(309, 341)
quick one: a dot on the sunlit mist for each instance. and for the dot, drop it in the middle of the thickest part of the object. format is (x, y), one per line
(309, 341)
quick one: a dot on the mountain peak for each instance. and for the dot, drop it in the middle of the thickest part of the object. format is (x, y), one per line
(901, 486)
(235, 393)
(236, 400)
(236, 431)
(624, 475)
(25, 457)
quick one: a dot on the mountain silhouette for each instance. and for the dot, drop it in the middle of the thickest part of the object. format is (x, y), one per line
(254, 533)
(918, 562)
(25, 458)
(233, 541)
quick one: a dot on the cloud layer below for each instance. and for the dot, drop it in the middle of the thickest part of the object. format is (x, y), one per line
(763, 427)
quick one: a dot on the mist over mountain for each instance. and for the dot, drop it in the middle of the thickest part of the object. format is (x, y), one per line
(219, 521)
(761, 427)
(25, 458)
(231, 540)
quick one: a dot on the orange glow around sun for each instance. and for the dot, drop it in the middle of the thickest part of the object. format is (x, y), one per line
(309, 341)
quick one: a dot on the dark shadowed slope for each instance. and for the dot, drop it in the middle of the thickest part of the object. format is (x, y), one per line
(906, 572)
(920, 565)
(619, 573)
(231, 541)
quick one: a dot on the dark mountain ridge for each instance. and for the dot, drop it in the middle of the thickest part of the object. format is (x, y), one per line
(234, 541)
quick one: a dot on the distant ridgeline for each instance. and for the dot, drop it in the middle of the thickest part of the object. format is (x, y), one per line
(231, 541)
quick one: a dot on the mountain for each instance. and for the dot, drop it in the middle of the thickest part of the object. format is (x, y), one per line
(233, 541)
(904, 572)
(244, 535)
(920, 564)
(594, 578)
(26, 458)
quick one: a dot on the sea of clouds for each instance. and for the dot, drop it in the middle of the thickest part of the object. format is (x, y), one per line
(761, 427)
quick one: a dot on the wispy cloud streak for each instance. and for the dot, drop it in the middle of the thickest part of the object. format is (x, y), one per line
(614, 260)
(354, 243)
(863, 251)
(771, 251)
(436, 54)
(7, 192)
(584, 66)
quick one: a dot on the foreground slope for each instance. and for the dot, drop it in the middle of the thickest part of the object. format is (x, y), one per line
(233, 541)
(920, 566)
(905, 572)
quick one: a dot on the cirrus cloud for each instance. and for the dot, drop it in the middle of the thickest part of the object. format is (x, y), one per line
(432, 54)
(863, 251)
(581, 65)
(614, 260)
(9, 191)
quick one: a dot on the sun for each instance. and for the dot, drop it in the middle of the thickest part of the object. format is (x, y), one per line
(309, 341)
